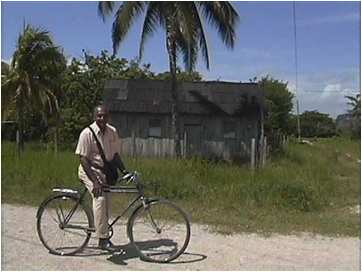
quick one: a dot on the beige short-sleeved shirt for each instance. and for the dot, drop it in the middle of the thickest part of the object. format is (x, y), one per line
(87, 147)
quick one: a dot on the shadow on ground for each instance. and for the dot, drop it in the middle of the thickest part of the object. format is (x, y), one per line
(128, 251)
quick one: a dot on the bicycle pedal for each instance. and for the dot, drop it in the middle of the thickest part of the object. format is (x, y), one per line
(119, 252)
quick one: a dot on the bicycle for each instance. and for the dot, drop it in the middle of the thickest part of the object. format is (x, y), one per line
(158, 229)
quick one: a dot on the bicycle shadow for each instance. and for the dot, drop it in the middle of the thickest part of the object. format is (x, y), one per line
(130, 252)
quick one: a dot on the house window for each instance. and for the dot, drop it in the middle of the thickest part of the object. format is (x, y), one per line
(154, 128)
(229, 130)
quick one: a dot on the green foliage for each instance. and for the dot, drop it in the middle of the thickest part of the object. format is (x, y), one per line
(181, 21)
(180, 75)
(298, 191)
(84, 83)
(355, 111)
(316, 124)
(31, 86)
(83, 86)
(355, 103)
(279, 103)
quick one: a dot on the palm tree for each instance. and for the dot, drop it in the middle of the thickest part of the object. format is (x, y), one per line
(32, 82)
(185, 33)
(355, 103)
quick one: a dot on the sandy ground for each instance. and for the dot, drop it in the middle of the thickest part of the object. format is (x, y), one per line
(21, 250)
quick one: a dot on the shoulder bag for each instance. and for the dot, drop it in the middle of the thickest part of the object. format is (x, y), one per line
(109, 167)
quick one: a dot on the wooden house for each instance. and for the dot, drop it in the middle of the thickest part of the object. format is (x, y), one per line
(217, 119)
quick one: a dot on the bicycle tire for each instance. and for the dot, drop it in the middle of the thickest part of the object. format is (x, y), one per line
(166, 244)
(49, 225)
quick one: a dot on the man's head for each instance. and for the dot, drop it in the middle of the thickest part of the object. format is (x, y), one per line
(101, 116)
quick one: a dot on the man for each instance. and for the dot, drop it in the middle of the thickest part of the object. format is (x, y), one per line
(91, 172)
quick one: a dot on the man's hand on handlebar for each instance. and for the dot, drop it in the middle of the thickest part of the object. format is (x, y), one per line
(97, 189)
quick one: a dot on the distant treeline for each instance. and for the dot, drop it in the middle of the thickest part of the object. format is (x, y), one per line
(81, 88)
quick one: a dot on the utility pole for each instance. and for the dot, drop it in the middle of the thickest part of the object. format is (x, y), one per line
(296, 71)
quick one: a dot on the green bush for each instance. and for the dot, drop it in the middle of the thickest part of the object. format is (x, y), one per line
(304, 180)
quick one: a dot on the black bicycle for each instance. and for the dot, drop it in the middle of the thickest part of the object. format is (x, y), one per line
(158, 228)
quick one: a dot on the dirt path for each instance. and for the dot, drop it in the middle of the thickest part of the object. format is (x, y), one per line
(22, 250)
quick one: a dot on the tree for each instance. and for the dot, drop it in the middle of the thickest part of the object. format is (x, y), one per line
(6, 110)
(279, 103)
(185, 34)
(355, 112)
(316, 124)
(355, 103)
(84, 84)
(33, 80)
(180, 75)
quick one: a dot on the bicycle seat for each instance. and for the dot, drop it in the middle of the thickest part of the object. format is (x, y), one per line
(66, 191)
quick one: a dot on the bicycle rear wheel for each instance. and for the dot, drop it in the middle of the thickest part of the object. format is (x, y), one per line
(159, 231)
(57, 236)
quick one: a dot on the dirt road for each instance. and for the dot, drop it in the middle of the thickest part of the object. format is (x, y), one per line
(22, 250)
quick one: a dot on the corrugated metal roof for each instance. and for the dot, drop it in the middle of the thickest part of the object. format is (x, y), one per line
(141, 95)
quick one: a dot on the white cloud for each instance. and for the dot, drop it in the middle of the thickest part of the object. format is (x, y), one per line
(330, 100)
(7, 61)
(69, 61)
(334, 104)
(330, 89)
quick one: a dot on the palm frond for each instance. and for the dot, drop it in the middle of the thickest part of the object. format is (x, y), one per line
(125, 17)
(105, 8)
(153, 18)
(199, 31)
(186, 33)
(224, 17)
(35, 71)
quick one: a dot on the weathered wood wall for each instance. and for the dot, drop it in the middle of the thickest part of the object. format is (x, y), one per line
(164, 148)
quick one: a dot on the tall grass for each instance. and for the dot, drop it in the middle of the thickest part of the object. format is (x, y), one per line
(305, 188)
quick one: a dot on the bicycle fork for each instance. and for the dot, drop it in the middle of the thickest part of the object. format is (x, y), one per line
(149, 214)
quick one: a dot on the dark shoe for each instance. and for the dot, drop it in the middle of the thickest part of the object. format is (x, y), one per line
(106, 244)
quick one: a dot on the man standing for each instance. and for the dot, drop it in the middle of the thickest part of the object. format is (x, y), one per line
(91, 172)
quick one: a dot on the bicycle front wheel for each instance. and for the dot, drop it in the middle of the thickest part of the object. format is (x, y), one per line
(159, 231)
(63, 225)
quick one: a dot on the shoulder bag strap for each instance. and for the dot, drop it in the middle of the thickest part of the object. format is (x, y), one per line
(99, 145)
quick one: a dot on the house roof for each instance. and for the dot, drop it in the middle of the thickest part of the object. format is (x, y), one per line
(204, 97)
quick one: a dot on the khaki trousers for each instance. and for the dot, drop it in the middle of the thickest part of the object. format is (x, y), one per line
(101, 211)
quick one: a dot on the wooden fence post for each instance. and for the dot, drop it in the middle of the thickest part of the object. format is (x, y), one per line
(264, 151)
(185, 144)
(252, 154)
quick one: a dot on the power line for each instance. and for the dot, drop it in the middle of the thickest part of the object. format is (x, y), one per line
(331, 91)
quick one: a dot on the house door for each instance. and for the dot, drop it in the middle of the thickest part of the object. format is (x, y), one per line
(193, 139)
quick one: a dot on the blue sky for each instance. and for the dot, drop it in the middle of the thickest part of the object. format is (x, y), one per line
(328, 39)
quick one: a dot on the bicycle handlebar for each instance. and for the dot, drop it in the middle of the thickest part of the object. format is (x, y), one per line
(130, 177)
(127, 176)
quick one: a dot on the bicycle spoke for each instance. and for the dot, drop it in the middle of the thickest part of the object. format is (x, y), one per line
(52, 217)
(56, 236)
(161, 232)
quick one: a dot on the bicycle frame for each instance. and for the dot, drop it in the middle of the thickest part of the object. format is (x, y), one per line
(124, 189)
(138, 189)
(147, 216)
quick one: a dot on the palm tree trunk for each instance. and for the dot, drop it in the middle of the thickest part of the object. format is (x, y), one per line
(171, 48)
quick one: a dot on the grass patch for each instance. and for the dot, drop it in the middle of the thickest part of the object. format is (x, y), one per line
(305, 188)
